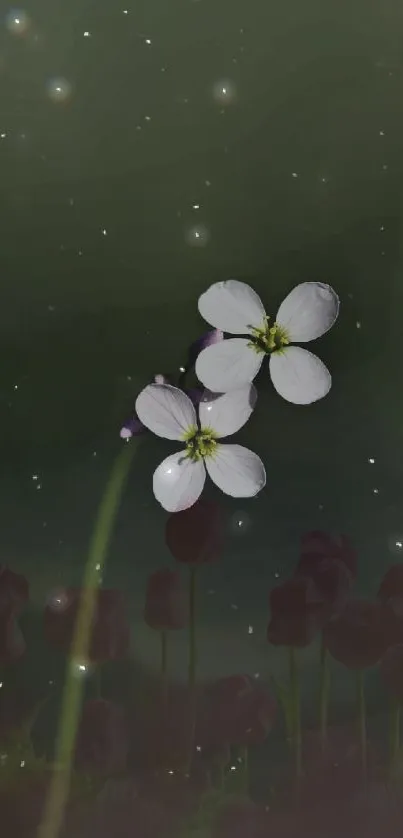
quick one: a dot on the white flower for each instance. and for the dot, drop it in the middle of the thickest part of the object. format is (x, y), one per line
(178, 481)
(308, 311)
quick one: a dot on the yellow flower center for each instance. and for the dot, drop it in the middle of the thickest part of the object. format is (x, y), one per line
(268, 339)
(200, 443)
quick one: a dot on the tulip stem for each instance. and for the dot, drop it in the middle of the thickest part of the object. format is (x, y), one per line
(394, 734)
(362, 724)
(192, 664)
(244, 755)
(295, 716)
(324, 688)
(192, 628)
(73, 689)
(164, 666)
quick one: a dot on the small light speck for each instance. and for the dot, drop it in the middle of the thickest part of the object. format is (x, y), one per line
(198, 748)
(295, 174)
(195, 206)
(256, 675)
(207, 182)
(147, 118)
(382, 228)
(87, 34)
(385, 167)
(1, 684)
(276, 575)
(399, 544)
(250, 629)
(233, 767)
(15, 387)
(182, 369)
(358, 324)
(125, 11)
(3, 135)
(98, 566)
(22, 763)
(147, 41)
(375, 491)
(371, 460)
(381, 133)
(104, 232)
(35, 477)
(170, 771)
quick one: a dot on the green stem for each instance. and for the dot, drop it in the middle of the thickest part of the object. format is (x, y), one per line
(324, 689)
(192, 629)
(164, 666)
(296, 717)
(98, 682)
(192, 666)
(362, 723)
(244, 755)
(73, 689)
(394, 734)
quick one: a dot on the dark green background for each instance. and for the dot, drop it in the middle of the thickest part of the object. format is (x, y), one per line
(86, 319)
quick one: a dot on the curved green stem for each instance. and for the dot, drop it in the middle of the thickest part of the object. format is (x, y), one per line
(394, 734)
(362, 722)
(73, 689)
(296, 717)
(164, 667)
(324, 689)
(192, 664)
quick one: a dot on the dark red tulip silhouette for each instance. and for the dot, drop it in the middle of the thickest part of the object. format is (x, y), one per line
(392, 670)
(332, 579)
(110, 634)
(296, 608)
(14, 593)
(167, 605)
(357, 637)
(196, 535)
(330, 547)
(237, 711)
(102, 744)
(12, 643)
(390, 594)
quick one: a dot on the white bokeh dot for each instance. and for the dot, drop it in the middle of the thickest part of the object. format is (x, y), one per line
(17, 22)
(59, 89)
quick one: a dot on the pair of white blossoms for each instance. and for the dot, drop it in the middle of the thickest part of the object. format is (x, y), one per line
(227, 369)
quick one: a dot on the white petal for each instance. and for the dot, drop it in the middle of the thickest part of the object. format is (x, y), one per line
(299, 376)
(178, 482)
(226, 414)
(232, 306)
(165, 410)
(228, 365)
(309, 311)
(236, 471)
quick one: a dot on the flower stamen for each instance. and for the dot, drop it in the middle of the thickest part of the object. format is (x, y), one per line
(268, 339)
(200, 443)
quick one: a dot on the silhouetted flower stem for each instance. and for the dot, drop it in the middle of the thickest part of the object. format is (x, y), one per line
(164, 666)
(362, 724)
(73, 689)
(324, 686)
(192, 629)
(295, 716)
(394, 733)
(192, 664)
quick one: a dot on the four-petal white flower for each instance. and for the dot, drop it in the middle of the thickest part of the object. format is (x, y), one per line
(179, 479)
(308, 311)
